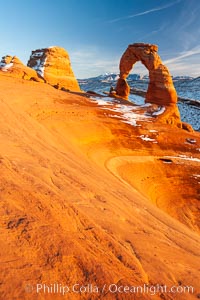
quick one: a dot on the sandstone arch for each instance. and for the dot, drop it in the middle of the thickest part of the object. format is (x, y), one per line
(161, 90)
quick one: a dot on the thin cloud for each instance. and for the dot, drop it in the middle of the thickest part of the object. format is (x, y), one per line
(153, 32)
(185, 63)
(145, 12)
(185, 54)
(179, 68)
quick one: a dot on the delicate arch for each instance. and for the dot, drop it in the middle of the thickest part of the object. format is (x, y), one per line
(161, 89)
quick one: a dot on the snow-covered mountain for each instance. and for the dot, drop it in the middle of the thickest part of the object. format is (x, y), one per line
(105, 81)
(96, 84)
(110, 77)
(184, 77)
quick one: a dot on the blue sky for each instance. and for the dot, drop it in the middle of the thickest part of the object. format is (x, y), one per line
(96, 32)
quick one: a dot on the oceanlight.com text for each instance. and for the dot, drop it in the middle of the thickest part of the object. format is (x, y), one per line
(63, 289)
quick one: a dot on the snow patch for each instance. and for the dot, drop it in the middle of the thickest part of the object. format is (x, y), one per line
(126, 111)
(40, 63)
(6, 67)
(114, 116)
(128, 115)
(196, 176)
(146, 105)
(102, 101)
(184, 157)
(146, 138)
(152, 130)
(124, 108)
(160, 111)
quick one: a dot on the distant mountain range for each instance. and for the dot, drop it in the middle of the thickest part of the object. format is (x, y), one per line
(186, 86)
(105, 81)
(110, 77)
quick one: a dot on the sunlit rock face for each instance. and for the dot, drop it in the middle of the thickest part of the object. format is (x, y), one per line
(53, 64)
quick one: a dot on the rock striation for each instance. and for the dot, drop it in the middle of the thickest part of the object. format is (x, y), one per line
(161, 91)
(14, 67)
(53, 64)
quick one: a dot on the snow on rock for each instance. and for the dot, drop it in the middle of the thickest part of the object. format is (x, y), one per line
(38, 60)
(102, 102)
(125, 108)
(146, 138)
(40, 66)
(184, 157)
(196, 176)
(146, 105)
(126, 111)
(6, 63)
(6, 67)
(14, 66)
(160, 111)
(132, 118)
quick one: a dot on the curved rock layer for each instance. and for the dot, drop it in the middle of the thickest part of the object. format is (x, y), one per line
(13, 66)
(53, 64)
(72, 208)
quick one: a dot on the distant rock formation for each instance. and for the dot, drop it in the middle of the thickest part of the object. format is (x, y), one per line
(161, 91)
(53, 64)
(13, 66)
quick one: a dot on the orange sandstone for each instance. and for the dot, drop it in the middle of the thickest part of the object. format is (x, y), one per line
(85, 200)
(53, 64)
(14, 67)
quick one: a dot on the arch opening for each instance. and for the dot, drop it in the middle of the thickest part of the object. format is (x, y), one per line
(138, 80)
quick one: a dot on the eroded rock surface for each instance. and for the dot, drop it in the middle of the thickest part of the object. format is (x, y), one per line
(53, 64)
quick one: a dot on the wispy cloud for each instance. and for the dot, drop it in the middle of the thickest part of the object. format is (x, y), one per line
(185, 63)
(186, 68)
(182, 55)
(153, 32)
(158, 8)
